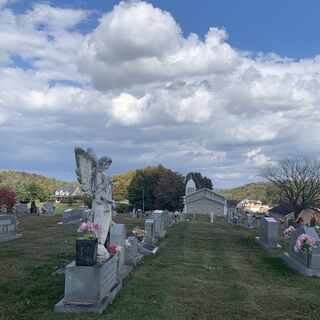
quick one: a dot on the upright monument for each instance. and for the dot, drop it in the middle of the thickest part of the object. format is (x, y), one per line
(90, 173)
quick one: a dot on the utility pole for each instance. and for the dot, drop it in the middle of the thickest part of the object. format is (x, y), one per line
(143, 200)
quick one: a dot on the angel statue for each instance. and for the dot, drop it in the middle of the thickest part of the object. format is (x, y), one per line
(90, 174)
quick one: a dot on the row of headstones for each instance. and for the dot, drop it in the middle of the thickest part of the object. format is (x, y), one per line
(246, 219)
(103, 281)
(304, 263)
(158, 224)
(46, 209)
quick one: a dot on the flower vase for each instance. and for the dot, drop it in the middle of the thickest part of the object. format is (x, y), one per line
(86, 252)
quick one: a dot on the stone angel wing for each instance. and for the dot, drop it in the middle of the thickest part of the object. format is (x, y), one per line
(86, 161)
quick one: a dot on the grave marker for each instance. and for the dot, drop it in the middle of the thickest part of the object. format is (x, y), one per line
(8, 228)
(149, 228)
(72, 216)
(268, 236)
(307, 264)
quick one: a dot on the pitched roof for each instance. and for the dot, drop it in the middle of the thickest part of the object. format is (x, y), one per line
(283, 208)
(199, 190)
(69, 189)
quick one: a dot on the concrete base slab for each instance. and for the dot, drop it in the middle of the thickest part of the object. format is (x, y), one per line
(162, 235)
(63, 307)
(8, 238)
(296, 265)
(266, 246)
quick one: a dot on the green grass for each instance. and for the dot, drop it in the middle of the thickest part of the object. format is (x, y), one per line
(202, 271)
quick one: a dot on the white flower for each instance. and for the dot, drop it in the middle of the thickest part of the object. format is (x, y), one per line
(127, 243)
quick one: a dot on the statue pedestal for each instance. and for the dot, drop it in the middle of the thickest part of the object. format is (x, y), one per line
(89, 289)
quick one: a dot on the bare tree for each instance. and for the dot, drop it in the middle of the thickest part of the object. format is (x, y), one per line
(298, 180)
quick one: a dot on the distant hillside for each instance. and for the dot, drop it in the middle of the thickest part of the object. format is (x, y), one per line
(263, 191)
(18, 181)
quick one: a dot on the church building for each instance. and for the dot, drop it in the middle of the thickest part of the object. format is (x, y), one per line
(203, 201)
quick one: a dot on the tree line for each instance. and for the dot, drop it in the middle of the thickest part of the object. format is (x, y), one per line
(154, 187)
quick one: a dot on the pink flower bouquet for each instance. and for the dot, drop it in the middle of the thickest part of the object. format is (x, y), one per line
(304, 244)
(89, 229)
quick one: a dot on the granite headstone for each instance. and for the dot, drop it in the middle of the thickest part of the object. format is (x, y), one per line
(8, 228)
(268, 235)
(307, 264)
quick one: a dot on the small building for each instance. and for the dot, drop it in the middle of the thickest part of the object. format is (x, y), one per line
(67, 193)
(282, 211)
(203, 201)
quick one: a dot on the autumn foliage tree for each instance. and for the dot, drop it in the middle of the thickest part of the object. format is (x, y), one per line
(7, 197)
(120, 183)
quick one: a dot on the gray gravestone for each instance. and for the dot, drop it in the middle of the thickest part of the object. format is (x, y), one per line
(117, 234)
(159, 217)
(149, 228)
(132, 255)
(117, 238)
(8, 228)
(72, 216)
(307, 264)
(21, 208)
(169, 220)
(48, 209)
(268, 236)
(89, 289)
(248, 221)
(86, 214)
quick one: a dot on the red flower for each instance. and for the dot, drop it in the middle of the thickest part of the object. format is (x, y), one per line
(112, 249)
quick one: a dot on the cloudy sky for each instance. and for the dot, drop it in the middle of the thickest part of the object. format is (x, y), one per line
(221, 87)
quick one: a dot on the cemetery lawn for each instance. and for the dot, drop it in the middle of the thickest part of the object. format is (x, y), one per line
(203, 271)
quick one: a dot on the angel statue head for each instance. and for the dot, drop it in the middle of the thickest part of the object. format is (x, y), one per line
(94, 182)
(104, 163)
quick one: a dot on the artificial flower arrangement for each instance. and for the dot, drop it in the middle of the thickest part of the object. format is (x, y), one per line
(288, 231)
(89, 230)
(304, 244)
(113, 250)
(139, 233)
